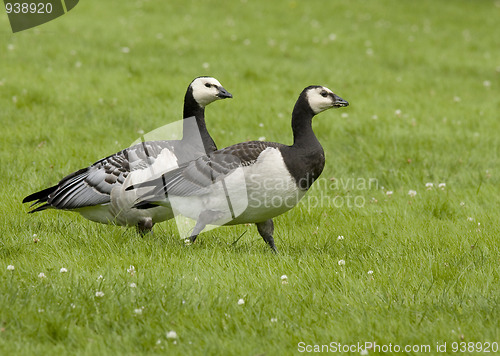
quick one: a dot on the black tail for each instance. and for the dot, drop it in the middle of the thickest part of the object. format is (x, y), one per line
(40, 208)
(41, 196)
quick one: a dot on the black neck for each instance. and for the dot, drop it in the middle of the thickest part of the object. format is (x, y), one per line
(193, 109)
(305, 159)
(303, 134)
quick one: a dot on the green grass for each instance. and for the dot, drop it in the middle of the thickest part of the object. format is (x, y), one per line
(69, 96)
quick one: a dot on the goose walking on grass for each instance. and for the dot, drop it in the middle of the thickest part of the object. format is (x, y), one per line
(98, 191)
(250, 182)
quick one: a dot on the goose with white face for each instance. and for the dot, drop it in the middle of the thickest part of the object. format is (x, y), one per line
(206, 90)
(321, 99)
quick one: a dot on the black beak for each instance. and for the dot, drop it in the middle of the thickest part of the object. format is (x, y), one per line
(223, 93)
(338, 102)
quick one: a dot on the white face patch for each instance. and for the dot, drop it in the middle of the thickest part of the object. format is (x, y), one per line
(318, 101)
(205, 90)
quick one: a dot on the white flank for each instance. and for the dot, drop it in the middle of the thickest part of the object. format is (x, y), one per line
(257, 192)
(120, 210)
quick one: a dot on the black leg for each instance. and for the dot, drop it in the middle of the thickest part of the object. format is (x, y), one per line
(205, 218)
(266, 230)
(145, 226)
(198, 228)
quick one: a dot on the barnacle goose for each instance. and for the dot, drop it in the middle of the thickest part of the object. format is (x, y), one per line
(98, 191)
(250, 182)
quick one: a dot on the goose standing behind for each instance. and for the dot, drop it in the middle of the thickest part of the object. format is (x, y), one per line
(273, 177)
(98, 191)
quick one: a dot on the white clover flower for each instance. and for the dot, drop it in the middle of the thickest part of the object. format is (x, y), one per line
(132, 285)
(389, 193)
(442, 186)
(41, 275)
(370, 272)
(99, 294)
(138, 311)
(341, 262)
(187, 242)
(462, 203)
(274, 320)
(172, 335)
(470, 219)
(412, 193)
(241, 302)
(284, 279)
(261, 124)
(363, 352)
(262, 138)
(429, 185)
(397, 112)
(63, 270)
(10, 267)
(340, 237)
(131, 270)
(100, 277)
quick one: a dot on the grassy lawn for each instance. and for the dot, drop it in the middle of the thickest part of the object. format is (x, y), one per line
(423, 82)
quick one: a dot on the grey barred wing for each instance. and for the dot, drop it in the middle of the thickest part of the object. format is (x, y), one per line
(93, 185)
(196, 177)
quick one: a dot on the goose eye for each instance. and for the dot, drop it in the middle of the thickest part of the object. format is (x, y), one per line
(324, 94)
(208, 85)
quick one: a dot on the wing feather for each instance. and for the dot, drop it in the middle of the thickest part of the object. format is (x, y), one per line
(93, 185)
(196, 177)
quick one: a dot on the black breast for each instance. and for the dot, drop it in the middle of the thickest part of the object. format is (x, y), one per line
(304, 165)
